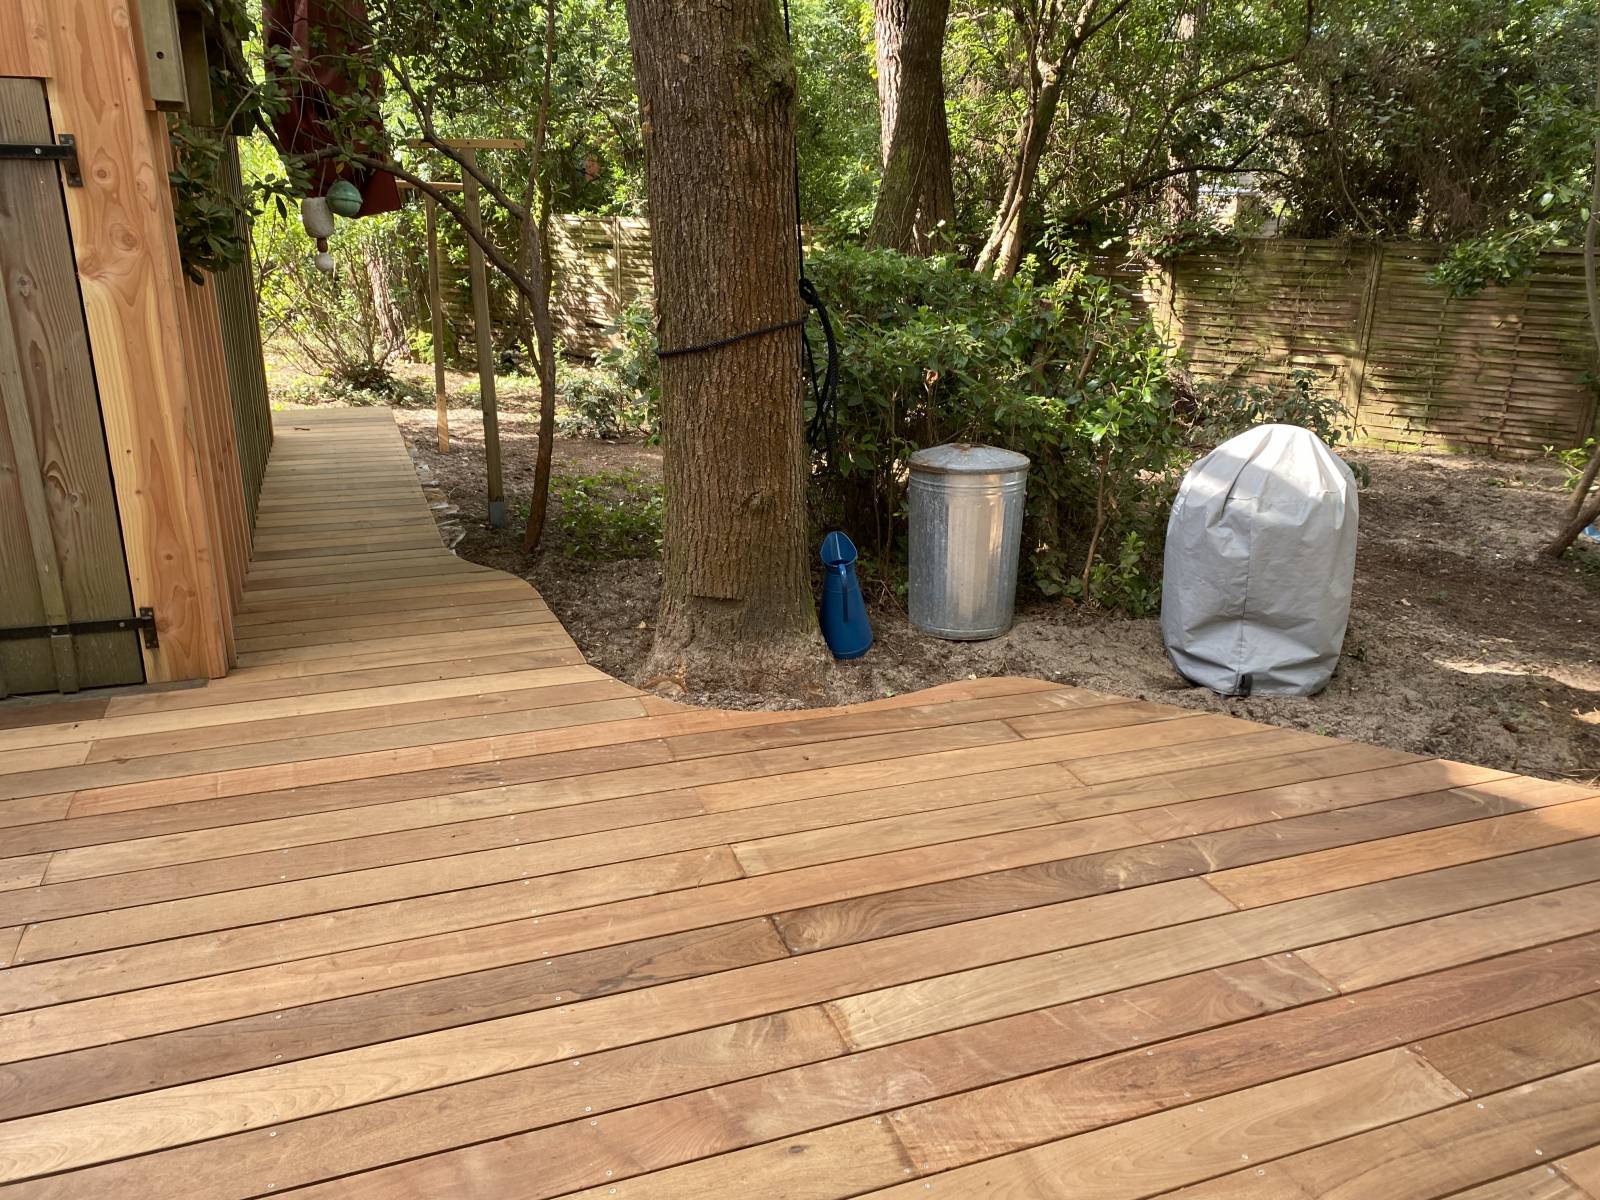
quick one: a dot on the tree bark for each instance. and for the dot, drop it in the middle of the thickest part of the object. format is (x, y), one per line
(1002, 253)
(716, 91)
(1585, 508)
(385, 308)
(916, 198)
(1180, 193)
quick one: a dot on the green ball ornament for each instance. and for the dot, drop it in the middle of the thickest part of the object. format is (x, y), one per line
(344, 198)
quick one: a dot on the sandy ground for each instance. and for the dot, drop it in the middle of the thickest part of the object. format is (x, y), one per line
(1462, 643)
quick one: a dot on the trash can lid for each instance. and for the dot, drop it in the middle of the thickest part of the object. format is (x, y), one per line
(966, 458)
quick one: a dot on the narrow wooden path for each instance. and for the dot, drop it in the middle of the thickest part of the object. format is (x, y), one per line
(417, 904)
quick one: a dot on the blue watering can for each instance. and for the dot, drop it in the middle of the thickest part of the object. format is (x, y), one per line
(844, 613)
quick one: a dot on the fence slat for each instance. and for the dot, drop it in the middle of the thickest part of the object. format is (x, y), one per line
(1504, 371)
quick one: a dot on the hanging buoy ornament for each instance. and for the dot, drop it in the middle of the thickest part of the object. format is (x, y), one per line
(344, 198)
(317, 218)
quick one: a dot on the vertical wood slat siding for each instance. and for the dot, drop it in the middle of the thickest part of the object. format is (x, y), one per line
(241, 347)
(1500, 372)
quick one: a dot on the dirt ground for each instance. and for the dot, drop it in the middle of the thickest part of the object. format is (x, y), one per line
(1463, 642)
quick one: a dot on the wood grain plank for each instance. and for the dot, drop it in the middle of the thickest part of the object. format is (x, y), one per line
(1377, 858)
(1512, 1050)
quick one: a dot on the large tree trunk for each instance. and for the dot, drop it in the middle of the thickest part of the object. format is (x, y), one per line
(1585, 507)
(716, 100)
(916, 198)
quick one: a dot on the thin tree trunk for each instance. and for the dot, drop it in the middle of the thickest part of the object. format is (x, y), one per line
(1053, 50)
(1181, 192)
(716, 92)
(1585, 509)
(535, 264)
(1002, 253)
(916, 199)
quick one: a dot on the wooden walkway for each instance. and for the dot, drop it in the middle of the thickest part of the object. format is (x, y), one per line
(417, 904)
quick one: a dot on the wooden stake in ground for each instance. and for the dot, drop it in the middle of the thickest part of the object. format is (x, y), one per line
(436, 308)
(483, 335)
(716, 97)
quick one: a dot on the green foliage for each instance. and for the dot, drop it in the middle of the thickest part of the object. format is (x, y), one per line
(1435, 119)
(1062, 372)
(836, 126)
(212, 223)
(608, 515)
(1572, 462)
(596, 403)
(332, 325)
(1223, 410)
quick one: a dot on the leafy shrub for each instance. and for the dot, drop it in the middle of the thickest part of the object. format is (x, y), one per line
(608, 515)
(617, 394)
(347, 326)
(1572, 462)
(595, 403)
(1222, 410)
(1063, 372)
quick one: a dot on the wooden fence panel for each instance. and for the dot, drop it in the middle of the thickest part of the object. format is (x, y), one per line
(1268, 310)
(602, 265)
(1507, 371)
(1498, 372)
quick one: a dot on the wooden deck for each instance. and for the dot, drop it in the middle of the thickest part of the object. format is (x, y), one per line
(417, 904)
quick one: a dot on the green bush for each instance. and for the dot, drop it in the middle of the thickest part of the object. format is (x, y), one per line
(616, 395)
(608, 515)
(595, 403)
(1063, 372)
(1222, 410)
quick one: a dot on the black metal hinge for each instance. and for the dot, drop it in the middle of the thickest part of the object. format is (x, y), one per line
(145, 623)
(63, 150)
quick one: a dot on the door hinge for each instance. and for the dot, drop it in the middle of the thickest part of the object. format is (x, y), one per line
(63, 150)
(144, 622)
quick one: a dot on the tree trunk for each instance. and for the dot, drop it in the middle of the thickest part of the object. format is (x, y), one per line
(391, 322)
(916, 198)
(1585, 509)
(1002, 253)
(1180, 194)
(716, 99)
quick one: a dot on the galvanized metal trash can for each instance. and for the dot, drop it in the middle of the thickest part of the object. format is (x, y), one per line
(966, 535)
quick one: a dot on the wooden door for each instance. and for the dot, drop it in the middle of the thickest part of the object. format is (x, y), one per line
(61, 558)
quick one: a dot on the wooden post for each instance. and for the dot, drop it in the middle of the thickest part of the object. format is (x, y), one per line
(436, 306)
(484, 337)
(616, 269)
(1355, 376)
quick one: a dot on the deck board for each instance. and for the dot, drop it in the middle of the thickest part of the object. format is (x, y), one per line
(417, 903)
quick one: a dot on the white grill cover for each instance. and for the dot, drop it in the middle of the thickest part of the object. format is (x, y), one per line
(1261, 552)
